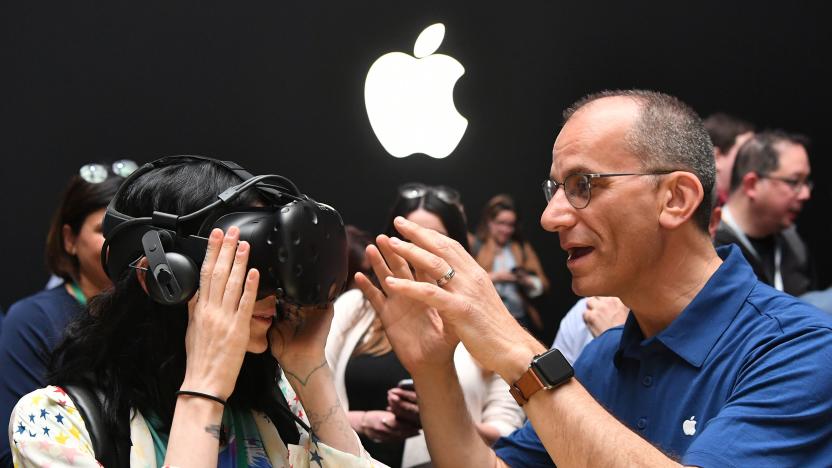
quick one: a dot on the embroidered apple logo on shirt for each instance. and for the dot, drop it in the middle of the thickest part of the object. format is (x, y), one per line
(689, 426)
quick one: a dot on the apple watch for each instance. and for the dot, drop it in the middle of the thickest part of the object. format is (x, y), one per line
(547, 370)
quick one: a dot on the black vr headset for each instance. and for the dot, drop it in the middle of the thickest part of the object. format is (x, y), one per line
(298, 245)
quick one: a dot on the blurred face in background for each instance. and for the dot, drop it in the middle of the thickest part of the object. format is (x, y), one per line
(501, 227)
(779, 196)
(428, 220)
(85, 246)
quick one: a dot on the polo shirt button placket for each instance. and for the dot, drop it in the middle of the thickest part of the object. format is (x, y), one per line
(641, 423)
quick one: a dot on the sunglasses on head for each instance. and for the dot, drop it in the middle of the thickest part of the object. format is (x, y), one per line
(96, 173)
(417, 190)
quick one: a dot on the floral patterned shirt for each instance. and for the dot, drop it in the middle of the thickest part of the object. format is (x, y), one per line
(46, 429)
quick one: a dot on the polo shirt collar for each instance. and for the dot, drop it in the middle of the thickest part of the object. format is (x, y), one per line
(696, 330)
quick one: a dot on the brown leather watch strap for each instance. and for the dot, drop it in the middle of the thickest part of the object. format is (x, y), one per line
(527, 385)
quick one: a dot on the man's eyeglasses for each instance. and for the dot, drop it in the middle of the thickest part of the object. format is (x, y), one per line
(796, 184)
(95, 173)
(578, 187)
(416, 190)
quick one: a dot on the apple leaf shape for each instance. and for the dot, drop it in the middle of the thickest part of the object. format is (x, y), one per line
(429, 40)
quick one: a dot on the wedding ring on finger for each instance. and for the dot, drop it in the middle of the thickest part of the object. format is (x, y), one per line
(441, 282)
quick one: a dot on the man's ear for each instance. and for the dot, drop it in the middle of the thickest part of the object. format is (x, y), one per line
(141, 273)
(749, 184)
(682, 195)
(69, 239)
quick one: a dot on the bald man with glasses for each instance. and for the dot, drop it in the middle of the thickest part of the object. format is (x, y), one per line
(711, 368)
(769, 185)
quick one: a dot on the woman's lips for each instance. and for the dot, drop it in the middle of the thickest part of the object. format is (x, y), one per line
(263, 318)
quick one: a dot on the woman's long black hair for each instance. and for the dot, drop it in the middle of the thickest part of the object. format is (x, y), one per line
(131, 348)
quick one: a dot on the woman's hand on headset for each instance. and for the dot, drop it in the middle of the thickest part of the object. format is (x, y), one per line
(219, 316)
(297, 342)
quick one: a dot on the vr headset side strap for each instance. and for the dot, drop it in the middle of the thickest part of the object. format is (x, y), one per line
(110, 452)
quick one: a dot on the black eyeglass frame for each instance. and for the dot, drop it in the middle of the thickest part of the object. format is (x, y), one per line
(795, 184)
(549, 192)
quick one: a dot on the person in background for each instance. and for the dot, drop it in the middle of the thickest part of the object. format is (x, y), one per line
(35, 324)
(357, 242)
(820, 299)
(769, 185)
(728, 133)
(367, 371)
(585, 321)
(510, 261)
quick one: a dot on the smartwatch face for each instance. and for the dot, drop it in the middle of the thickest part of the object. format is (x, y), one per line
(553, 368)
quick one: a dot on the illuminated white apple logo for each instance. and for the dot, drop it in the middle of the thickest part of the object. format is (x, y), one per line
(689, 426)
(410, 100)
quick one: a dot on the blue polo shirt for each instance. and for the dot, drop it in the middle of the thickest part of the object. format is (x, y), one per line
(742, 377)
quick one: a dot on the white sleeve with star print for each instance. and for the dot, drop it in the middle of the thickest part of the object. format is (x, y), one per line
(47, 430)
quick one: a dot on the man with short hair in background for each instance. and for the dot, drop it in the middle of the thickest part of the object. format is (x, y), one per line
(769, 185)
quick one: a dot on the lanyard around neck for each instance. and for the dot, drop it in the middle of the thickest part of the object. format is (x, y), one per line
(78, 294)
(729, 221)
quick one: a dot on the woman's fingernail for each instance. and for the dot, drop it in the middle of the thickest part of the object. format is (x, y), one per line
(395, 241)
(391, 280)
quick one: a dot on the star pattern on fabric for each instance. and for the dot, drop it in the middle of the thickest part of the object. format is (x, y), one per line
(45, 431)
(31, 418)
(316, 458)
(43, 414)
(20, 428)
(59, 418)
(61, 438)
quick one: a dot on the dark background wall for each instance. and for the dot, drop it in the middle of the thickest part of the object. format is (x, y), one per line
(278, 87)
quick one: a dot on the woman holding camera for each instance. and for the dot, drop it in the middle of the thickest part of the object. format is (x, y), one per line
(511, 262)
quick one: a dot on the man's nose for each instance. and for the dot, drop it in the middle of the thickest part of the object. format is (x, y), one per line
(559, 214)
(805, 192)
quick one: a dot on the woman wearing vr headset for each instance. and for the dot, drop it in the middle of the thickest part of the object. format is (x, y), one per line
(35, 324)
(383, 409)
(198, 383)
